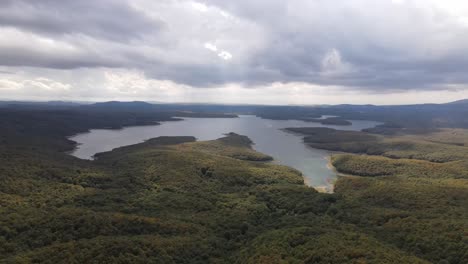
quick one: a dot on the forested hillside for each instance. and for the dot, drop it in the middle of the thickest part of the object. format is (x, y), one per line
(174, 200)
(408, 190)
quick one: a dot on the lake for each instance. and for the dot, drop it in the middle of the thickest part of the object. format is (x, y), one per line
(286, 148)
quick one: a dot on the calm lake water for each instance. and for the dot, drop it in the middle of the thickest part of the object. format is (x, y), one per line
(286, 148)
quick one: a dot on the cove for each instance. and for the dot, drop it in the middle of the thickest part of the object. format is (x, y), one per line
(267, 135)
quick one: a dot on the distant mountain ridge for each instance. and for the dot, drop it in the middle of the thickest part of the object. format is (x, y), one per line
(117, 105)
(463, 101)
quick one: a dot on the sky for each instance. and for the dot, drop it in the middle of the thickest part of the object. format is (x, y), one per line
(236, 52)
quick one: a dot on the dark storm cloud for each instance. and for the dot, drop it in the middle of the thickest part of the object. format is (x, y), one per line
(383, 44)
(59, 60)
(109, 19)
(366, 45)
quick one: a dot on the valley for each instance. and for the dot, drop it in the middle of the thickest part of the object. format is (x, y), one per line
(172, 199)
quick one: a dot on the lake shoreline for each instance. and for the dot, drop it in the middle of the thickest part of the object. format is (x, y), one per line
(268, 136)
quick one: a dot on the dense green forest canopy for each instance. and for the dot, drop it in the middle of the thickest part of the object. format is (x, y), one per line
(403, 196)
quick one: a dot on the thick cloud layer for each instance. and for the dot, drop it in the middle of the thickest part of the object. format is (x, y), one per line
(377, 46)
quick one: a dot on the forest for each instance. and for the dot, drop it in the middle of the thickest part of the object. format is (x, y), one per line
(402, 195)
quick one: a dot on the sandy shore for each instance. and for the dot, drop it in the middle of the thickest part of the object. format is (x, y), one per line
(324, 189)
